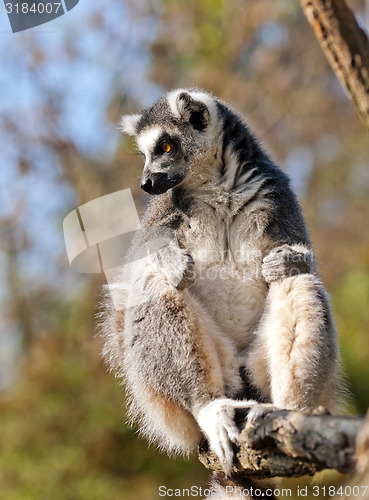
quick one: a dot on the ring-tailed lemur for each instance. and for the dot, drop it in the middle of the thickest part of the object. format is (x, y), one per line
(230, 312)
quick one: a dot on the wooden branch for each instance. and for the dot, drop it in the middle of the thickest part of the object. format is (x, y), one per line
(289, 443)
(346, 47)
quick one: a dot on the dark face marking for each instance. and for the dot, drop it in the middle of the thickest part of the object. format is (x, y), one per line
(166, 140)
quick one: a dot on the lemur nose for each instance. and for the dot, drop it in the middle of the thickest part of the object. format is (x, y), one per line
(156, 182)
(159, 182)
(146, 185)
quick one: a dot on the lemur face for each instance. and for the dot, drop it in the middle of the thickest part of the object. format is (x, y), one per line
(171, 134)
(167, 160)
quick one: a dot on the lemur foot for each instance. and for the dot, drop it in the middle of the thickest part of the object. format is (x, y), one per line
(259, 410)
(286, 261)
(217, 420)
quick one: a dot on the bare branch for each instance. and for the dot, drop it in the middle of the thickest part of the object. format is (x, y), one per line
(288, 443)
(346, 47)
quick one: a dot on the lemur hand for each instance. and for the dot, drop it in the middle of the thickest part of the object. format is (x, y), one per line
(286, 261)
(177, 265)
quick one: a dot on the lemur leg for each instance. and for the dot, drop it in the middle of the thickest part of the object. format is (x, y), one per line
(295, 345)
(168, 326)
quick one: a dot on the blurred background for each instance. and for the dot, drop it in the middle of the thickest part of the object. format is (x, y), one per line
(63, 87)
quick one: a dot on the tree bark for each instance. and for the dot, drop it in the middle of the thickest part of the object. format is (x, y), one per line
(289, 443)
(346, 47)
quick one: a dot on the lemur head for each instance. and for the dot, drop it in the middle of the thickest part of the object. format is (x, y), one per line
(174, 134)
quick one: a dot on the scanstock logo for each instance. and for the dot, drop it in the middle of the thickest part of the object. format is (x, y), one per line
(26, 14)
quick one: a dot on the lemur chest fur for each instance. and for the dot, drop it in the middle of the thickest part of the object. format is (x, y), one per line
(226, 240)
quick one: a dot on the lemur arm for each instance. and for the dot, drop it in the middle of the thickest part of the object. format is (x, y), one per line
(159, 235)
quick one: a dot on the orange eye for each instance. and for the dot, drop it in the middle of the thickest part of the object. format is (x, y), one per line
(166, 147)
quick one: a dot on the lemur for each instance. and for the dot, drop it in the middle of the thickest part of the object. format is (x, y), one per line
(229, 312)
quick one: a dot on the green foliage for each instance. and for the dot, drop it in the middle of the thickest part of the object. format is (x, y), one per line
(350, 301)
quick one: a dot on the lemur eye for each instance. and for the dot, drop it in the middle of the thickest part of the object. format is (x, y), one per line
(166, 147)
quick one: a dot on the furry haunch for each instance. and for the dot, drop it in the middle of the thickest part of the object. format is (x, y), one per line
(229, 313)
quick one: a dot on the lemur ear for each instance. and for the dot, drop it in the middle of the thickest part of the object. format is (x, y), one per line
(128, 124)
(193, 111)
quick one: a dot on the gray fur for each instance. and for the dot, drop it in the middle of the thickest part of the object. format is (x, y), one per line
(203, 326)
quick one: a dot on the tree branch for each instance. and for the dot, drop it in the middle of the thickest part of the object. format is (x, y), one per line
(289, 443)
(346, 47)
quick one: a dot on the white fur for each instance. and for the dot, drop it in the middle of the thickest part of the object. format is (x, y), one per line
(234, 300)
(232, 163)
(226, 283)
(147, 139)
(128, 124)
(243, 179)
(172, 101)
(250, 189)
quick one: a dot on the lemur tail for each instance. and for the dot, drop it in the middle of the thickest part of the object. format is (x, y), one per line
(240, 488)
